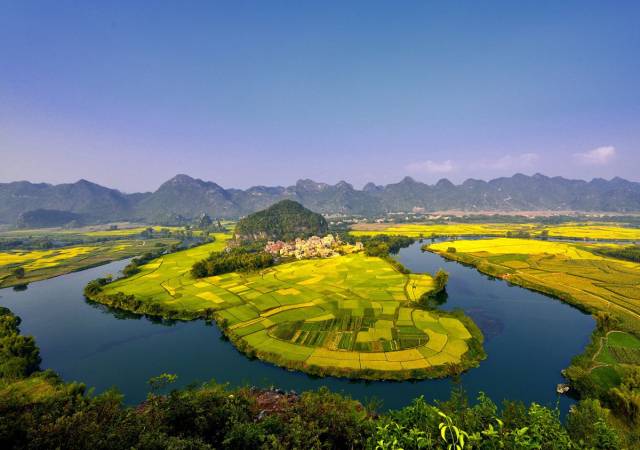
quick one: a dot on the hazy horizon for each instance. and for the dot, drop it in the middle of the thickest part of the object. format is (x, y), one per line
(245, 93)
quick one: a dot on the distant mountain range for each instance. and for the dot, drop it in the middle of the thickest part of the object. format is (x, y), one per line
(183, 197)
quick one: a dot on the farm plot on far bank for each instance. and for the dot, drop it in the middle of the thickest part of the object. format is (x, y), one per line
(41, 264)
(348, 315)
(567, 270)
(427, 230)
(577, 230)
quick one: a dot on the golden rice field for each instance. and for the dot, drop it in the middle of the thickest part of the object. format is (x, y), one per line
(42, 264)
(348, 315)
(427, 230)
(586, 231)
(594, 232)
(567, 270)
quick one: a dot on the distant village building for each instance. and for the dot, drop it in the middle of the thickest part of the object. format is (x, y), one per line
(314, 247)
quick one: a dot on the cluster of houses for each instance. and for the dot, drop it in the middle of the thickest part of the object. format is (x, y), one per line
(314, 247)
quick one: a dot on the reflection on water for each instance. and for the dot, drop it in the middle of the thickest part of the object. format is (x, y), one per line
(490, 325)
(104, 347)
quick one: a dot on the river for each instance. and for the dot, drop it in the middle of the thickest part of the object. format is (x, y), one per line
(529, 338)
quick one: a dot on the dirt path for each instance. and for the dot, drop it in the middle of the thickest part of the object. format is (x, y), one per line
(602, 342)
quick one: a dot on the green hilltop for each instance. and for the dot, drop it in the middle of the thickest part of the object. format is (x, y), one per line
(285, 220)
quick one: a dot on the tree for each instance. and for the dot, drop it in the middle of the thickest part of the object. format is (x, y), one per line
(588, 423)
(440, 281)
(18, 272)
(204, 222)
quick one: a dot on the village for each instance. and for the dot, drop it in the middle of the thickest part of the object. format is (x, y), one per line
(313, 247)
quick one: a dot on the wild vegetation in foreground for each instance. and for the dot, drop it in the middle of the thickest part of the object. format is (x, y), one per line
(608, 287)
(576, 230)
(39, 410)
(351, 315)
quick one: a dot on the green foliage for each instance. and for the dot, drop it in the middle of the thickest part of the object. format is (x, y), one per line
(626, 397)
(95, 286)
(519, 234)
(234, 260)
(629, 253)
(19, 355)
(440, 281)
(438, 296)
(588, 424)
(384, 245)
(134, 266)
(161, 381)
(286, 220)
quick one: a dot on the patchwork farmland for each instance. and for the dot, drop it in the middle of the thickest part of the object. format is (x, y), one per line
(42, 264)
(577, 230)
(567, 270)
(349, 315)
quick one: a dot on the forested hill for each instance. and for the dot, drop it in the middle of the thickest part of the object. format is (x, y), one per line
(183, 197)
(285, 220)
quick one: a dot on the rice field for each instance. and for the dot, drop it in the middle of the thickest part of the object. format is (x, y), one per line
(427, 230)
(585, 231)
(593, 231)
(567, 270)
(42, 264)
(349, 315)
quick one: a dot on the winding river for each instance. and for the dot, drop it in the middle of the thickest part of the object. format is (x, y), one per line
(529, 338)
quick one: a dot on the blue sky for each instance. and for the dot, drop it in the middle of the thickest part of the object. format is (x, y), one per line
(127, 94)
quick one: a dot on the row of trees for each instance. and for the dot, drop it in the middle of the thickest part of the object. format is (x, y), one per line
(134, 266)
(629, 253)
(384, 245)
(233, 260)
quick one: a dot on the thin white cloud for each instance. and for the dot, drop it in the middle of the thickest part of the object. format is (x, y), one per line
(430, 166)
(511, 162)
(596, 157)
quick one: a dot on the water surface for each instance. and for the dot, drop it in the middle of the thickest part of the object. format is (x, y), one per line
(529, 339)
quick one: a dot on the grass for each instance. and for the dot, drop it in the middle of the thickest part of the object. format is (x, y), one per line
(350, 315)
(43, 264)
(586, 231)
(619, 348)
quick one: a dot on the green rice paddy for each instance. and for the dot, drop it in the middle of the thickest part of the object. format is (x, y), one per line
(349, 315)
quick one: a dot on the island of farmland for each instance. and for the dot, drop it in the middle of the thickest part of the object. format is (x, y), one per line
(350, 315)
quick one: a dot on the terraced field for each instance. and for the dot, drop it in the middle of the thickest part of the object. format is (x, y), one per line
(349, 315)
(587, 231)
(567, 270)
(42, 264)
